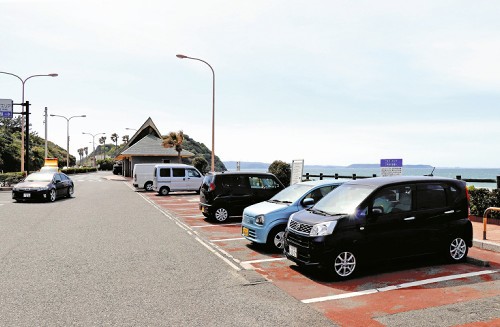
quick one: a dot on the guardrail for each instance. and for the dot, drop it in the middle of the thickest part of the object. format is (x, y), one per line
(354, 176)
(485, 218)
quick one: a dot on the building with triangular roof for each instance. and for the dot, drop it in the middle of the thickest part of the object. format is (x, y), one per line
(146, 146)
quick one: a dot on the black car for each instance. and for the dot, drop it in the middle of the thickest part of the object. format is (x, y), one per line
(382, 218)
(228, 193)
(46, 186)
(117, 168)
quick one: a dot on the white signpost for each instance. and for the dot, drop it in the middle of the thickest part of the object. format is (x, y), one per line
(6, 106)
(297, 171)
(391, 167)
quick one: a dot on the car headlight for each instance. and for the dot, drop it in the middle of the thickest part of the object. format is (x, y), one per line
(322, 229)
(43, 188)
(260, 219)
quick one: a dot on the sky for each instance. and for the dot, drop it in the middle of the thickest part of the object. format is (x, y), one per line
(330, 82)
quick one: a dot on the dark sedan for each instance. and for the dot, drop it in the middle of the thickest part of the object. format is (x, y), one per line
(46, 186)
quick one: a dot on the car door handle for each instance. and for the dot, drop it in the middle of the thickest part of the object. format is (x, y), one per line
(450, 211)
(409, 218)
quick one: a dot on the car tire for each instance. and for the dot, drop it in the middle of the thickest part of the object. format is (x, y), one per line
(457, 250)
(343, 265)
(164, 190)
(221, 215)
(71, 190)
(276, 238)
(52, 195)
(148, 186)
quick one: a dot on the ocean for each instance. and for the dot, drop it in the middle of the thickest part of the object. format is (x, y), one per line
(466, 173)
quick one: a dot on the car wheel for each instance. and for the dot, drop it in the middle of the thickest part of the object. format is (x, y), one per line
(343, 265)
(276, 238)
(198, 191)
(148, 186)
(221, 215)
(71, 190)
(52, 195)
(164, 191)
(457, 250)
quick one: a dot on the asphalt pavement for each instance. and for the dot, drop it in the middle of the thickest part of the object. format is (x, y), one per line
(108, 257)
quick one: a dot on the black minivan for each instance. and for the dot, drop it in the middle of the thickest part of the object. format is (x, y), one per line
(381, 218)
(226, 194)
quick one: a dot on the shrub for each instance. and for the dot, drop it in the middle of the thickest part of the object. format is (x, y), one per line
(482, 199)
(282, 171)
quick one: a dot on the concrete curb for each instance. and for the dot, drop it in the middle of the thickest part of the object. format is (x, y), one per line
(486, 245)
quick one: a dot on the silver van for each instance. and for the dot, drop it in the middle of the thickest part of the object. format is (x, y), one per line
(176, 177)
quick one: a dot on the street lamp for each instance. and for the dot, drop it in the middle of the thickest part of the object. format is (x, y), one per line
(93, 142)
(22, 116)
(181, 56)
(67, 133)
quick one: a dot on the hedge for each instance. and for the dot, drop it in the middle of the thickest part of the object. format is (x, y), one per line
(481, 199)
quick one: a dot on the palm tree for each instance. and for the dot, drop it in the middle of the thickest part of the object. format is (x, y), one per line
(114, 138)
(80, 152)
(102, 140)
(125, 138)
(86, 149)
(172, 140)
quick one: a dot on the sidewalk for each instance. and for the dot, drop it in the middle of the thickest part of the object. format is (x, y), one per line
(492, 242)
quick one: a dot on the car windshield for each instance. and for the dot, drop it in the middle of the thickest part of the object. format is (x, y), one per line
(291, 194)
(344, 199)
(39, 177)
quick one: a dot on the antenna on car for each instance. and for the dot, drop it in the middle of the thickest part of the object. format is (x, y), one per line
(431, 174)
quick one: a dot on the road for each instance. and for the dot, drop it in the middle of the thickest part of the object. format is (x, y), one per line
(108, 256)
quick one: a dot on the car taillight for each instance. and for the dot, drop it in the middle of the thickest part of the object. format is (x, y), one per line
(467, 195)
(135, 178)
(212, 186)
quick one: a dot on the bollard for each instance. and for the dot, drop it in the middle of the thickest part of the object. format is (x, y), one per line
(336, 176)
(498, 182)
(485, 219)
(353, 176)
(374, 175)
(320, 176)
(307, 176)
(459, 177)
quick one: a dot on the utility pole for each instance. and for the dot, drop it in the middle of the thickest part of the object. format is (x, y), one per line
(46, 123)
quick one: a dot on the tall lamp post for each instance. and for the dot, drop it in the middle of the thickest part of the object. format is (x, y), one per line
(93, 142)
(181, 56)
(23, 81)
(67, 133)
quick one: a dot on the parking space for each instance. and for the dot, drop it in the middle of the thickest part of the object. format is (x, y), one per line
(406, 287)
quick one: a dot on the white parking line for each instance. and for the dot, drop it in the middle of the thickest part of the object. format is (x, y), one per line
(228, 239)
(204, 226)
(248, 264)
(397, 287)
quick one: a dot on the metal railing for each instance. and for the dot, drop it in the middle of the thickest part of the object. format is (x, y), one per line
(485, 218)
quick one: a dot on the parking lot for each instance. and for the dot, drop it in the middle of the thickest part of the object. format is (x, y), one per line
(425, 289)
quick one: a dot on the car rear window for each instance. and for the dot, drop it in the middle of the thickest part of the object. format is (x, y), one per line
(431, 196)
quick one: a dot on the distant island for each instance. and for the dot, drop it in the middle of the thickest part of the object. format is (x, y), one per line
(231, 165)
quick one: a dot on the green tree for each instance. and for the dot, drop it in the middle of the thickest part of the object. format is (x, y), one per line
(201, 164)
(281, 170)
(102, 140)
(174, 140)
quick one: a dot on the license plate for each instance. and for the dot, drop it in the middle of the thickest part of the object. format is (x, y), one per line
(27, 195)
(244, 231)
(292, 250)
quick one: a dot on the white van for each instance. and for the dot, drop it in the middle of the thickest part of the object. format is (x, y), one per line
(143, 176)
(176, 177)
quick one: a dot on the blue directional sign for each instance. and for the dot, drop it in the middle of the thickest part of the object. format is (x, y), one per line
(6, 106)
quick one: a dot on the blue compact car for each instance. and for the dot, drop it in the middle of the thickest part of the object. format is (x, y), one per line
(265, 222)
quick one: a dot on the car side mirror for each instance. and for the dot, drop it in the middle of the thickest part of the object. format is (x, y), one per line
(308, 202)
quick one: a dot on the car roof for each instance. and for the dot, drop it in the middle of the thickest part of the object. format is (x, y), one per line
(381, 181)
(239, 173)
(322, 182)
